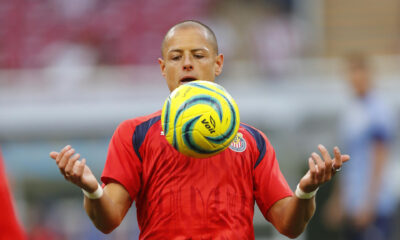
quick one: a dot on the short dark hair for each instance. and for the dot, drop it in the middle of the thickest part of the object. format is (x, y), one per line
(192, 23)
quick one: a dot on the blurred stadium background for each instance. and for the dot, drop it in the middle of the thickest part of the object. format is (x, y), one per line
(70, 71)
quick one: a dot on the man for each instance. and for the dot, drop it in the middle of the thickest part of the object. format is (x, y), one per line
(9, 225)
(364, 199)
(178, 197)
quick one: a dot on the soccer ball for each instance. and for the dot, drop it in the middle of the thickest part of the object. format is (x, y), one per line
(200, 119)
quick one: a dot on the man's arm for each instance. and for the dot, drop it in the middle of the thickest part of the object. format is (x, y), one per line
(291, 215)
(380, 154)
(108, 211)
(105, 212)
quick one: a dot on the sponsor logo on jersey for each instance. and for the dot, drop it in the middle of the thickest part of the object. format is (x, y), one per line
(162, 133)
(238, 144)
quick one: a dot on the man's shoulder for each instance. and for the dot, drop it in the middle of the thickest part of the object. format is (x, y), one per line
(257, 137)
(249, 129)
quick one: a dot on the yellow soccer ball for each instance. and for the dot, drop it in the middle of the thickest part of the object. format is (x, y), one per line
(200, 119)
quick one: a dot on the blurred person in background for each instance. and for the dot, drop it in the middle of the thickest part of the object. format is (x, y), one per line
(363, 199)
(9, 225)
(169, 188)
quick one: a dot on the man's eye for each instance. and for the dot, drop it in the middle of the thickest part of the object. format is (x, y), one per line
(198, 56)
(175, 58)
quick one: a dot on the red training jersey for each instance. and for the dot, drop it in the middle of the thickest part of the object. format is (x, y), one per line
(9, 225)
(179, 197)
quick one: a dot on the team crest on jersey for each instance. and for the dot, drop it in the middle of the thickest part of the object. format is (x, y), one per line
(238, 144)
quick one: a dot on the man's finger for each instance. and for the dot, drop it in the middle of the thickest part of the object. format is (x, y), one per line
(321, 166)
(338, 158)
(328, 161)
(81, 168)
(71, 163)
(313, 169)
(53, 155)
(345, 158)
(61, 154)
(64, 160)
(324, 153)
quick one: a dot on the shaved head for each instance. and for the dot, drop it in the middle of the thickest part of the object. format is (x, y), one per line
(189, 52)
(191, 24)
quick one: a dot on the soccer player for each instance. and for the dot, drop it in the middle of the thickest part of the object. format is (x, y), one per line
(9, 225)
(178, 197)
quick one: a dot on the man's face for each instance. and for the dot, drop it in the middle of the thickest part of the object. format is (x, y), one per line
(189, 55)
(359, 80)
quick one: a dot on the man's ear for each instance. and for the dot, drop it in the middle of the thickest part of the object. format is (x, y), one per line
(219, 63)
(162, 66)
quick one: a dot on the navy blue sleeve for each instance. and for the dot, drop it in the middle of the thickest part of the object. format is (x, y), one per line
(260, 142)
(140, 134)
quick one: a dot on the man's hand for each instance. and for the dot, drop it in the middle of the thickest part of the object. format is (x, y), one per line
(74, 170)
(106, 212)
(321, 170)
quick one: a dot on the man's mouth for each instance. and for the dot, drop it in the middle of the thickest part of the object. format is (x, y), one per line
(187, 79)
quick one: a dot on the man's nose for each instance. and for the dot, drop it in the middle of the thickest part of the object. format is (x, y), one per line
(187, 64)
